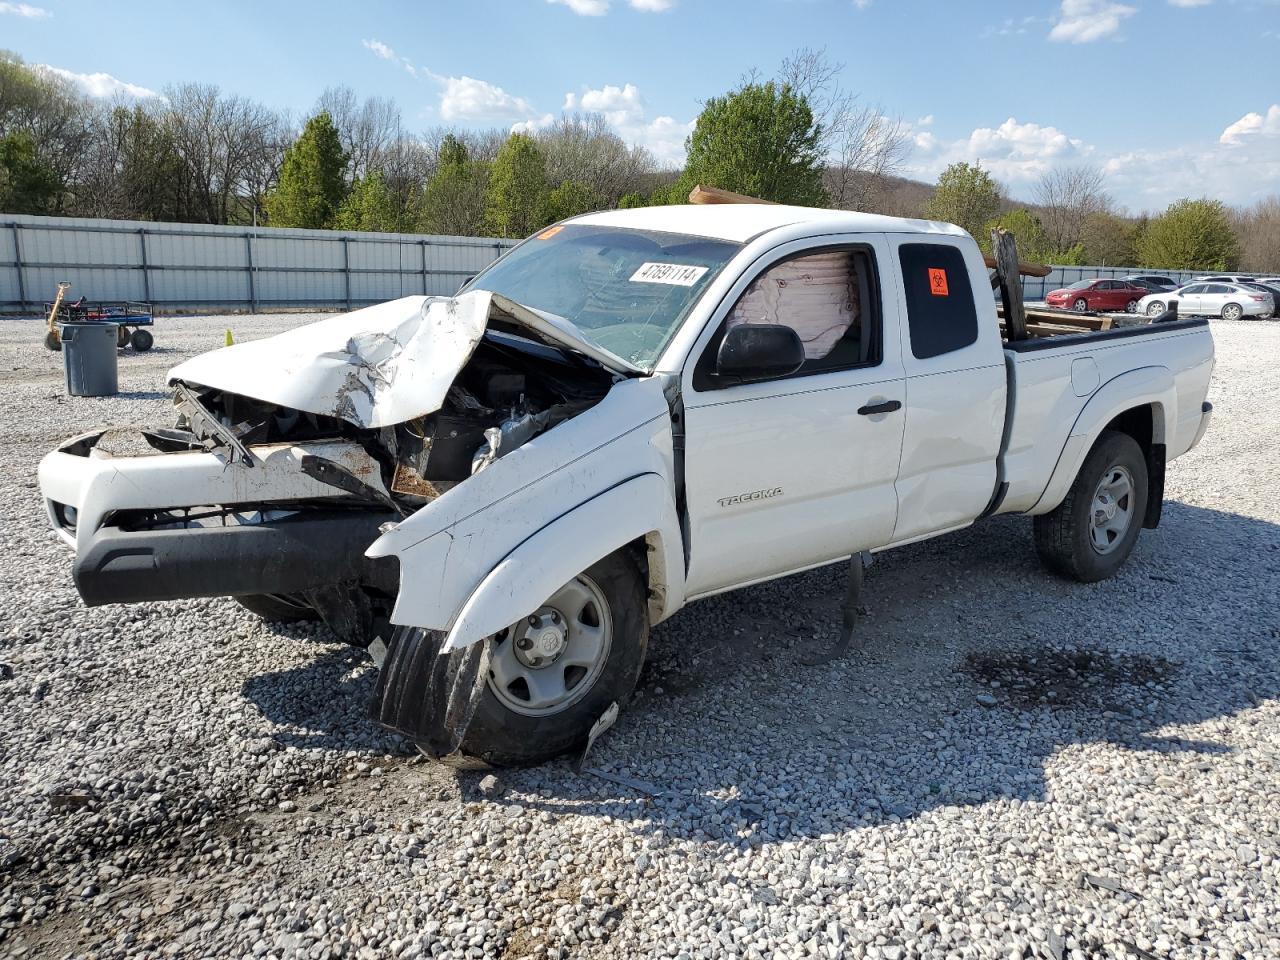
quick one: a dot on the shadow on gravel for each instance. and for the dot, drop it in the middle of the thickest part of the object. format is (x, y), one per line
(143, 395)
(323, 704)
(937, 708)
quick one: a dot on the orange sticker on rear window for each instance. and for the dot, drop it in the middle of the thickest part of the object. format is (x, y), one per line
(548, 234)
(938, 282)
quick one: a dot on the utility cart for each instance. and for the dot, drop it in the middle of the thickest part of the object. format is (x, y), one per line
(129, 316)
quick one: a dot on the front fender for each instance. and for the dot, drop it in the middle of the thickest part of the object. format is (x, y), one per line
(641, 508)
(1146, 386)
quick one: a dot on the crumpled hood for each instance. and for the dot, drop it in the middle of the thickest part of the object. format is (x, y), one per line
(375, 367)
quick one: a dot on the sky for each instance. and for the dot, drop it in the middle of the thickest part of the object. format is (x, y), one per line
(1170, 98)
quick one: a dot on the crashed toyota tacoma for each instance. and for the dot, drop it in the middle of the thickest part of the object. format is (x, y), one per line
(499, 493)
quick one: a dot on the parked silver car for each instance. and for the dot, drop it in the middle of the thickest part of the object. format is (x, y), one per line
(1231, 301)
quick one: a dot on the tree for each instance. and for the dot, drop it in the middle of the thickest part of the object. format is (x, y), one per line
(366, 129)
(369, 205)
(311, 178)
(1190, 235)
(1026, 229)
(517, 187)
(761, 140)
(584, 149)
(26, 184)
(455, 200)
(862, 146)
(1067, 197)
(966, 196)
(1109, 240)
(1259, 231)
(568, 200)
(632, 201)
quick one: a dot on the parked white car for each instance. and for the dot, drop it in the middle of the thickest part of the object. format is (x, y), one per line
(1230, 301)
(499, 493)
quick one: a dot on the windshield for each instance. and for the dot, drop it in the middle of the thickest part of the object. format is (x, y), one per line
(627, 290)
(1081, 285)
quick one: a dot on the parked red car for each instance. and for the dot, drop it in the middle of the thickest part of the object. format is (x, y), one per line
(1085, 295)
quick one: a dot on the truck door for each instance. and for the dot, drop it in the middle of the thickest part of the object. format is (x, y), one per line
(955, 387)
(793, 472)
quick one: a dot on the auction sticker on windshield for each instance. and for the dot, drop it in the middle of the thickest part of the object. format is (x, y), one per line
(676, 274)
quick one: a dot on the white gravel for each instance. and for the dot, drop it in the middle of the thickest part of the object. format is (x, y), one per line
(185, 780)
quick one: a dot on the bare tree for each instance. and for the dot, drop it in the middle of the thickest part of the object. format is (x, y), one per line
(1067, 197)
(367, 128)
(1258, 228)
(862, 144)
(582, 148)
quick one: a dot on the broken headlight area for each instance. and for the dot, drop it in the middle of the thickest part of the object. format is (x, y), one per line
(509, 392)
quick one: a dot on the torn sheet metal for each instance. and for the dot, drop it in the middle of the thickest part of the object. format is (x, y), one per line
(379, 366)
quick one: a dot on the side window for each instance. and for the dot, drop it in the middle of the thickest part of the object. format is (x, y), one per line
(941, 316)
(1217, 288)
(829, 299)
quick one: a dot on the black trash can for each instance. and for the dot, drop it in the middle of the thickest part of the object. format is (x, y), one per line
(89, 359)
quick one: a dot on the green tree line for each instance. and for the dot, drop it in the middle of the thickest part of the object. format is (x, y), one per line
(199, 155)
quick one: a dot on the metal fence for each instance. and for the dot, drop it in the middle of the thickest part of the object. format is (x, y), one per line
(187, 267)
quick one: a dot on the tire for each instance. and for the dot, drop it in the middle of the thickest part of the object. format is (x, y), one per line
(279, 608)
(1155, 308)
(502, 734)
(53, 341)
(1081, 305)
(1131, 306)
(1067, 537)
(1232, 311)
(142, 340)
(122, 336)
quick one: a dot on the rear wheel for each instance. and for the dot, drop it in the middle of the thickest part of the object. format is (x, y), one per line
(279, 607)
(1232, 311)
(142, 340)
(1081, 305)
(1131, 306)
(1092, 532)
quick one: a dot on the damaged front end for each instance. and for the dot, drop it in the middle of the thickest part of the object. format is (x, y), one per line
(290, 454)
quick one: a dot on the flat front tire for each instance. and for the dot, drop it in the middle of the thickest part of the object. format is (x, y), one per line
(1091, 533)
(553, 674)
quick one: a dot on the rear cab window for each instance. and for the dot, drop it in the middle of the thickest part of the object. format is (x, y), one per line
(941, 313)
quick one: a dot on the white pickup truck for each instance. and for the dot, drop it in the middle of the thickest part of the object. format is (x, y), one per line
(501, 492)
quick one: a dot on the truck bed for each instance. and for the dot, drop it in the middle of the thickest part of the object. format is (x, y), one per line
(1055, 376)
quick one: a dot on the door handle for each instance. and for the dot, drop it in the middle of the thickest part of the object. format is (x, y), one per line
(888, 406)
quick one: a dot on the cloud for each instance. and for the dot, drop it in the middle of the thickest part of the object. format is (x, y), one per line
(1084, 21)
(534, 124)
(100, 85)
(862, 4)
(1190, 3)
(625, 110)
(598, 8)
(466, 98)
(586, 8)
(25, 10)
(384, 52)
(1014, 152)
(1253, 124)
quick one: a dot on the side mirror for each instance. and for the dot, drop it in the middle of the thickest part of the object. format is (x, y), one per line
(759, 351)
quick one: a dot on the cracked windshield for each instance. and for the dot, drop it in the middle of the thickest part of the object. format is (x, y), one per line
(626, 290)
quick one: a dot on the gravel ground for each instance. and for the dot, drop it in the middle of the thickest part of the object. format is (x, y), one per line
(1010, 766)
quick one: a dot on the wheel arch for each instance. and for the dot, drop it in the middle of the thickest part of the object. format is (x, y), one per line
(1138, 403)
(637, 515)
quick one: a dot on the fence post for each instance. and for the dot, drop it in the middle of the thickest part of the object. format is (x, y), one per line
(424, 243)
(253, 292)
(346, 268)
(146, 274)
(17, 256)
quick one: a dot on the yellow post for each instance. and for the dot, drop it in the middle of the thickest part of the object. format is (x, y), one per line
(229, 340)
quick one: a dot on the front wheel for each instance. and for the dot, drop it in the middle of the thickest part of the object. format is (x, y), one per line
(1155, 308)
(1092, 532)
(1081, 306)
(538, 687)
(141, 340)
